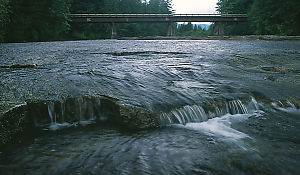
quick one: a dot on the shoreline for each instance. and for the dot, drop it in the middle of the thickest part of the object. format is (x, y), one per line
(238, 38)
(229, 38)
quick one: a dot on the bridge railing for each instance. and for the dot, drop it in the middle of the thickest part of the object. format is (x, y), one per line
(214, 15)
(154, 15)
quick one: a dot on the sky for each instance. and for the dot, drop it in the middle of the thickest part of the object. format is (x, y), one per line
(195, 6)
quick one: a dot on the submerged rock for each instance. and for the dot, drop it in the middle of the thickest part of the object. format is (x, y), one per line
(138, 119)
(280, 69)
(19, 66)
(37, 115)
(271, 78)
(14, 124)
(272, 69)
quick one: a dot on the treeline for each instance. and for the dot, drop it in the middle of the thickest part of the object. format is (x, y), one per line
(266, 17)
(4, 9)
(95, 31)
(194, 30)
(47, 20)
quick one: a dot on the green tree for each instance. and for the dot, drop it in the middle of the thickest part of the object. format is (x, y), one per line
(191, 30)
(4, 9)
(235, 7)
(44, 20)
(280, 18)
(91, 31)
(95, 31)
(41, 20)
(265, 16)
(157, 7)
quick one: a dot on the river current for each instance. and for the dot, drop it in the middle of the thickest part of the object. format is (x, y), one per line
(223, 107)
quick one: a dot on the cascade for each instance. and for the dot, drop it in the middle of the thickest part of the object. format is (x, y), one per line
(197, 113)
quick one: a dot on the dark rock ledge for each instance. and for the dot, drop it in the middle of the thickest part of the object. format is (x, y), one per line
(34, 116)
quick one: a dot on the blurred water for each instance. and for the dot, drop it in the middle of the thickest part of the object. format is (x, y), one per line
(226, 107)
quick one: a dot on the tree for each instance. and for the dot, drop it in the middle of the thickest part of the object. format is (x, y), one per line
(44, 20)
(41, 20)
(265, 16)
(235, 7)
(91, 31)
(4, 9)
(194, 30)
(276, 18)
(96, 31)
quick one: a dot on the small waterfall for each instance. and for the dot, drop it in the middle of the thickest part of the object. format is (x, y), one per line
(81, 110)
(255, 103)
(287, 107)
(236, 107)
(52, 113)
(63, 108)
(79, 107)
(186, 114)
(197, 113)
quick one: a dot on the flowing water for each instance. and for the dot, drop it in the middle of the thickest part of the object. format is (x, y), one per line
(223, 107)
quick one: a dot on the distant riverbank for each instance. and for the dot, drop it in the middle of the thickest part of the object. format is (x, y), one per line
(230, 38)
(248, 37)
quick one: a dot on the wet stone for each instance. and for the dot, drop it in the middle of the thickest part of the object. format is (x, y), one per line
(215, 112)
(19, 66)
(37, 115)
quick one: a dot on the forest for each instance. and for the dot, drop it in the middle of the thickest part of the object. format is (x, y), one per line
(265, 17)
(47, 20)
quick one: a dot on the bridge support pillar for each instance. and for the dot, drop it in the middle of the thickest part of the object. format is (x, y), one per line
(171, 29)
(113, 31)
(218, 29)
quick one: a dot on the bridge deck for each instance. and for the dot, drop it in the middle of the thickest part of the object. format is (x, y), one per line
(119, 18)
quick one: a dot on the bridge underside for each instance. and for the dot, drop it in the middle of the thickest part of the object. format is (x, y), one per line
(169, 18)
(134, 19)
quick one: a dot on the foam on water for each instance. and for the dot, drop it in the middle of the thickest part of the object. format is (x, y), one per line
(197, 113)
(58, 126)
(291, 109)
(220, 126)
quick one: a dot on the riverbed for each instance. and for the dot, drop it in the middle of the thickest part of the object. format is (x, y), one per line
(191, 107)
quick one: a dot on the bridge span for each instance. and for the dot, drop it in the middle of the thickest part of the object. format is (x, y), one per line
(168, 18)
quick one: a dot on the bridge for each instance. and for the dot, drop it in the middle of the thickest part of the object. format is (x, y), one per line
(168, 18)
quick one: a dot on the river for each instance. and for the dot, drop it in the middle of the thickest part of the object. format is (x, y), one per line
(152, 107)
